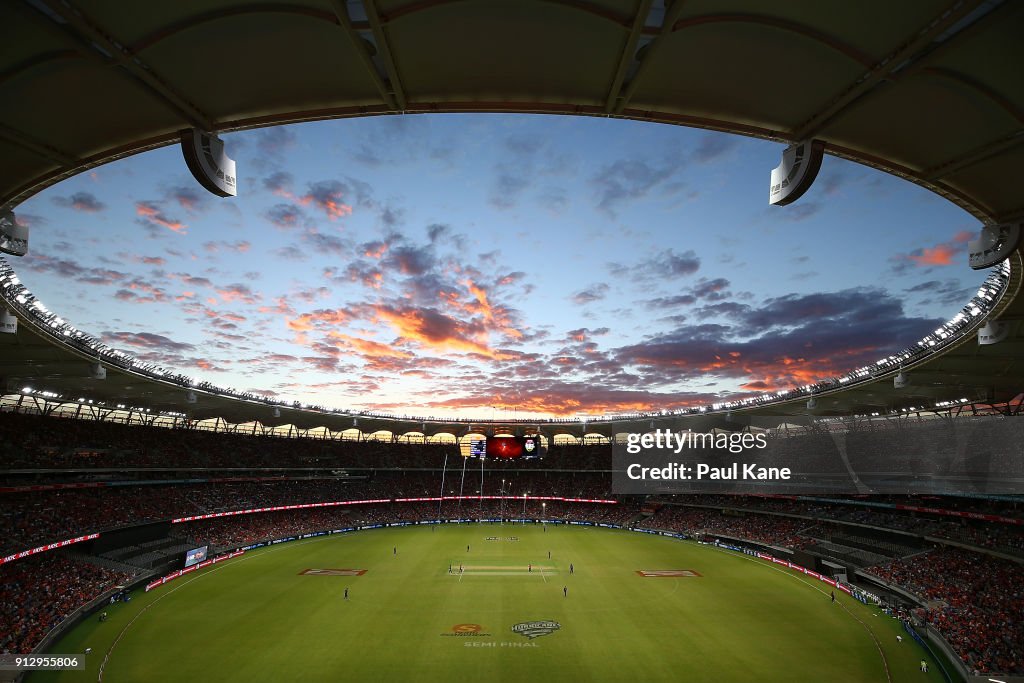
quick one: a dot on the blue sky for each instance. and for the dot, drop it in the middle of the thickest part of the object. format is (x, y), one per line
(497, 265)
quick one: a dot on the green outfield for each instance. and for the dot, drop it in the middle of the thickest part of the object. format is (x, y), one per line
(264, 617)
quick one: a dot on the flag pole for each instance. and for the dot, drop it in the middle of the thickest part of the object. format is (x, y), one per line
(444, 468)
(462, 485)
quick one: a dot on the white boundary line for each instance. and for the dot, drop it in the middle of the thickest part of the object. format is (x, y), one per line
(878, 644)
(110, 650)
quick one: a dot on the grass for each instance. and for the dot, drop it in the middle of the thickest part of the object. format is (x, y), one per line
(255, 618)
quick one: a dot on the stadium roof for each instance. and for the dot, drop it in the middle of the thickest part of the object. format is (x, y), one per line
(930, 91)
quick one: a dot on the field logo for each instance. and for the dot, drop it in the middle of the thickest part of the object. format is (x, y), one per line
(467, 631)
(667, 573)
(332, 572)
(532, 629)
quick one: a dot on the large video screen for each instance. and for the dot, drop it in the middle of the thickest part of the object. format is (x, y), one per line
(195, 556)
(507, 447)
(532, 447)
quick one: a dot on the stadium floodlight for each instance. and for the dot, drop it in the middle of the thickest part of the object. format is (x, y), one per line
(796, 172)
(8, 322)
(993, 332)
(13, 235)
(205, 158)
(994, 245)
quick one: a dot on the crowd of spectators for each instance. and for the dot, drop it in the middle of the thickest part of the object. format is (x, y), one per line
(974, 600)
(225, 533)
(1008, 538)
(32, 518)
(33, 442)
(38, 592)
(232, 532)
(768, 529)
(36, 442)
(897, 449)
(978, 603)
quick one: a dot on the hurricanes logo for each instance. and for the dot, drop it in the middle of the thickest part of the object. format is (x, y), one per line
(533, 629)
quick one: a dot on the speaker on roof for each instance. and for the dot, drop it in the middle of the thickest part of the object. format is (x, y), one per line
(97, 371)
(13, 235)
(993, 332)
(8, 323)
(205, 157)
(794, 176)
(901, 380)
(993, 245)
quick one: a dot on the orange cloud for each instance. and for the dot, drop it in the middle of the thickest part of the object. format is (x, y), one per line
(369, 348)
(323, 317)
(787, 373)
(238, 292)
(152, 213)
(559, 402)
(941, 255)
(436, 330)
(327, 196)
(376, 250)
(281, 307)
(495, 317)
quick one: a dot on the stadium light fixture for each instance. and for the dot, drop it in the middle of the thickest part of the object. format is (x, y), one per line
(97, 371)
(796, 172)
(13, 235)
(8, 322)
(209, 164)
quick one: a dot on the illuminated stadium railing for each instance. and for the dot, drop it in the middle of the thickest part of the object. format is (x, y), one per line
(18, 298)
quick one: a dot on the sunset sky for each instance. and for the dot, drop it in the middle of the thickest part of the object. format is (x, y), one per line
(497, 265)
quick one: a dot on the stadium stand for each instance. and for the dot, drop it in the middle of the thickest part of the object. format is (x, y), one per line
(36, 593)
(57, 484)
(974, 600)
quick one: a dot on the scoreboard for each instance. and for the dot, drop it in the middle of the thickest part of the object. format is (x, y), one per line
(507, 447)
